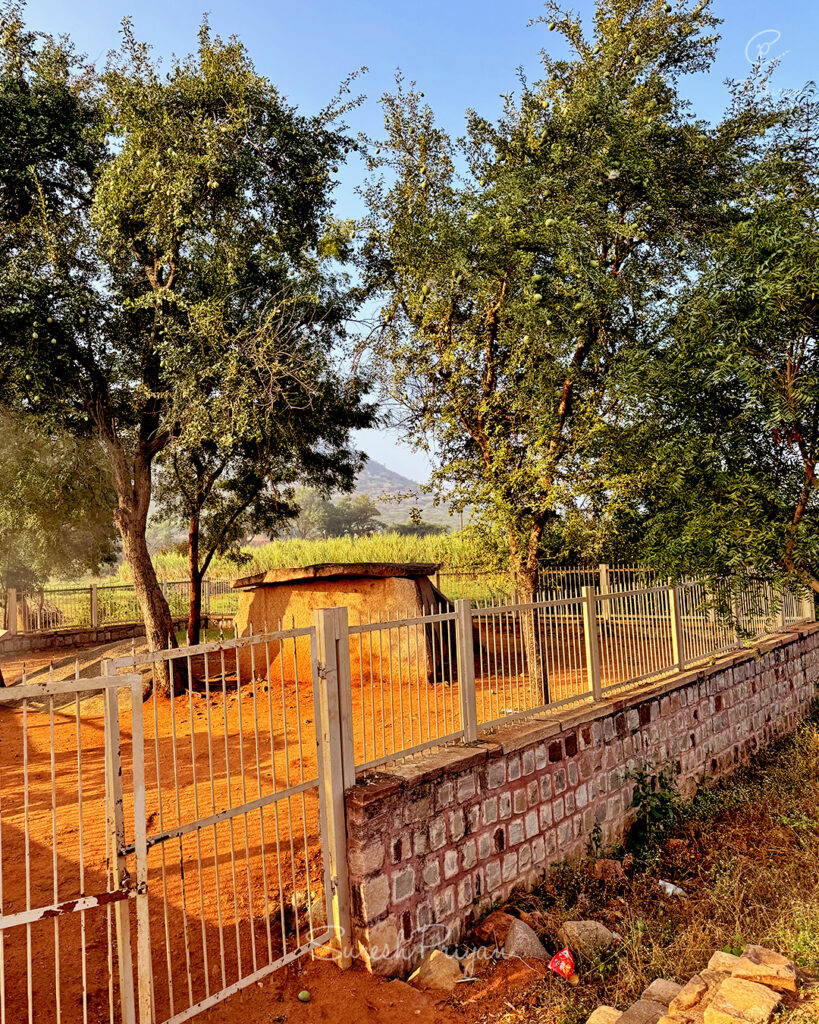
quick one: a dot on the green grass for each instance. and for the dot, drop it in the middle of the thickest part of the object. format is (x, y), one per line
(462, 574)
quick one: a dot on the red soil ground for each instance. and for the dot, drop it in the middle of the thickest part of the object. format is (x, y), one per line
(227, 899)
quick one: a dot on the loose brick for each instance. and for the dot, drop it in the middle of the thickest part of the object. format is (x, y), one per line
(466, 788)
(516, 832)
(457, 826)
(469, 855)
(375, 895)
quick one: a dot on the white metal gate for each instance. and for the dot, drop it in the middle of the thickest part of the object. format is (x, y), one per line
(65, 892)
(242, 859)
(206, 832)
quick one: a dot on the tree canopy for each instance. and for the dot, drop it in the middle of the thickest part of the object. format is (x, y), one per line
(722, 455)
(521, 267)
(162, 229)
(56, 498)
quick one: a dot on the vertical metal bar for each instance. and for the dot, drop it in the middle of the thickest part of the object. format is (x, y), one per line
(81, 847)
(229, 785)
(195, 787)
(145, 967)
(331, 775)
(262, 840)
(466, 670)
(243, 788)
(677, 643)
(211, 776)
(116, 832)
(287, 783)
(605, 588)
(182, 879)
(275, 790)
(54, 872)
(162, 856)
(27, 854)
(592, 649)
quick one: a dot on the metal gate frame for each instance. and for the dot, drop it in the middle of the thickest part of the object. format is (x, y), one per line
(108, 686)
(335, 772)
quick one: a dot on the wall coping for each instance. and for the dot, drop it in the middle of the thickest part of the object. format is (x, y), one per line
(427, 765)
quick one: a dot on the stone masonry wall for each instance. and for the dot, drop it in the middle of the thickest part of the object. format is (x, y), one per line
(434, 840)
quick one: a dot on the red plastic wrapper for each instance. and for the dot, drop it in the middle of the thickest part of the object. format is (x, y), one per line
(562, 963)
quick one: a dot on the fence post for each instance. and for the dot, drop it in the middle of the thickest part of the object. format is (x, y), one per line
(207, 597)
(94, 607)
(592, 648)
(604, 588)
(677, 648)
(330, 725)
(11, 611)
(466, 670)
(345, 695)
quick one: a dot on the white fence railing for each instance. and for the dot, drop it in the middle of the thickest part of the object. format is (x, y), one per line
(411, 683)
(62, 608)
(220, 815)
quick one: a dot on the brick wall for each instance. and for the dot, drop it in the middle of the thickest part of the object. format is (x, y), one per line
(434, 840)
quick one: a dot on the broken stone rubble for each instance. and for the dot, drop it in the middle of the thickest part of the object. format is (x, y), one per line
(438, 972)
(743, 989)
(587, 937)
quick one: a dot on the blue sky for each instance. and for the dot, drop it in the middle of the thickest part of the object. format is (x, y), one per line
(462, 53)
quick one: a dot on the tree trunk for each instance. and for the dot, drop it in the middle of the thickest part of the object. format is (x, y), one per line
(533, 627)
(195, 576)
(132, 478)
(156, 614)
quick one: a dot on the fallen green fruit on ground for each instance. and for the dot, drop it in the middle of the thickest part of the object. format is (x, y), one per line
(304, 996)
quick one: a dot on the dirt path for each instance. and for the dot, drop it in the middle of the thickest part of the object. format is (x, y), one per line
(358, 997)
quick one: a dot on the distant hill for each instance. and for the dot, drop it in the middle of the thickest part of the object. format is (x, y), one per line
(395, 495)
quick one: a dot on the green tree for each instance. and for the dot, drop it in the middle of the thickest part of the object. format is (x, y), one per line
(353, 516)
(520, 266)
(138, 201)
(56, 504)
(319, 517)
(723, 462)
(278, 432)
